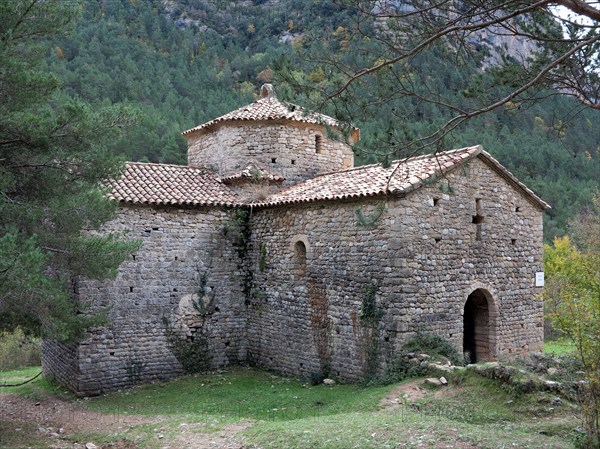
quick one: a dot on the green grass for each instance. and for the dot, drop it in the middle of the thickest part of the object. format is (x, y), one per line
(240, 394)
(559, 346)
(18, 375)
(37, 389)
(407, 429)
(475, 413)
(287, 413)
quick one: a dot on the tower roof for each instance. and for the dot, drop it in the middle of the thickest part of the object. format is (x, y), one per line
(269, 108)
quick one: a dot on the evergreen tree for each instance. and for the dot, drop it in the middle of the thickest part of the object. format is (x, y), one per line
(53, 166)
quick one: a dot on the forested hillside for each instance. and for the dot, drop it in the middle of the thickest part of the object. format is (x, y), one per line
(185, 62)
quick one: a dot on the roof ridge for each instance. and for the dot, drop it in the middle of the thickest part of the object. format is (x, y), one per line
(397, 161)
(161, 164)
(472, 151)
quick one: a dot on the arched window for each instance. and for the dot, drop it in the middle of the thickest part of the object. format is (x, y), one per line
(300, 258)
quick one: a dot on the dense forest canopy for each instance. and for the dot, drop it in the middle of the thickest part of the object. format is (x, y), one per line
(185, 62)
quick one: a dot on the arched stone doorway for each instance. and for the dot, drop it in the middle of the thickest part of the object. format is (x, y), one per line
(478, 327)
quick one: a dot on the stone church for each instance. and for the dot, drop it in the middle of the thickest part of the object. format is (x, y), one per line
(271, 248)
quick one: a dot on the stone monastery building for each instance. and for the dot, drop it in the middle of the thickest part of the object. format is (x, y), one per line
(271, 248)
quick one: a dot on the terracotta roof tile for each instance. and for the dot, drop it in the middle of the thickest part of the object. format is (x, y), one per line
(370, 180)
(271, 108)
(163, 184)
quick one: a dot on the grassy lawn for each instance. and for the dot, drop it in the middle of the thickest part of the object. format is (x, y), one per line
(37, 389)
(559, 346)
(263, 410)
(241, 394)
(474, 414)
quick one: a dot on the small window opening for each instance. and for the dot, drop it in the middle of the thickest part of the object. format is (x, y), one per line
(273, 160)
(174, 289)
(300, 258)
(155, 229)
(438, 239)
(436, 201)
(111, 353)
(513, 241)
(227, 343)
(130, 289)
(133, 256)
(293, 161)
(318, 144)
(175, 257)
(518, 209)
(477, 219)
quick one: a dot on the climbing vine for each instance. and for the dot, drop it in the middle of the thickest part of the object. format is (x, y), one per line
(321, 327)
(134, 367)
(204, 308)
(192, 352)
(446, 187)
(370, 220)
(237, 229)
(370, 316)
(262, 262)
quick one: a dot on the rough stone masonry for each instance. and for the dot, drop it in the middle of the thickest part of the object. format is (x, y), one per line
(270, 248)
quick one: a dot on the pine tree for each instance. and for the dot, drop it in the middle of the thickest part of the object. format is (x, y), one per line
(53, 173)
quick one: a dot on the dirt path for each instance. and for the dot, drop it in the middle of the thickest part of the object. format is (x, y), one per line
(403, 394)
(57, 419)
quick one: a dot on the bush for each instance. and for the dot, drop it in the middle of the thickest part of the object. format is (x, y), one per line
(404, 366)
(401, 368)
(18, 350)
(434, 345)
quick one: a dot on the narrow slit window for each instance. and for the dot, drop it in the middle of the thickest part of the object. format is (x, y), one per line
(273, 160)
(478, 219)
(318, 144)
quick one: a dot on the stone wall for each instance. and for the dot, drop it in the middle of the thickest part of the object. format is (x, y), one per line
(289, 150)
(334, 288)
(423, 257)
(185, 258)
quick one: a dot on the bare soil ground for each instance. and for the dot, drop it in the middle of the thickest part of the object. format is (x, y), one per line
(57, 421)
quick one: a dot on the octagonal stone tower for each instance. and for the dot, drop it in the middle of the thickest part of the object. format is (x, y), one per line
(280, 138)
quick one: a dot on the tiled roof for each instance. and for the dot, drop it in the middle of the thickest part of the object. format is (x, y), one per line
(163, 184)
(400, 177)
(255, 173)
(268, 107)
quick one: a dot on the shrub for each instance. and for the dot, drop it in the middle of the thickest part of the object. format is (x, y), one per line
(18, 350)
(434, 345)
(403, 366)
